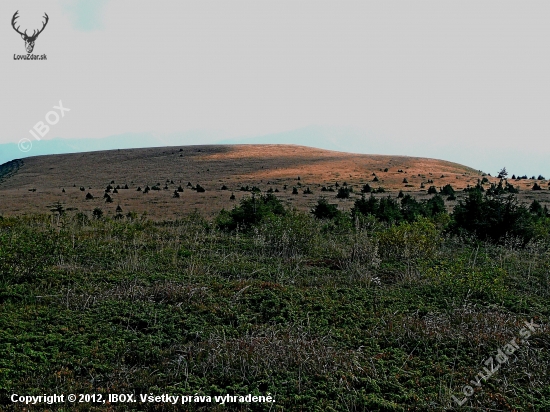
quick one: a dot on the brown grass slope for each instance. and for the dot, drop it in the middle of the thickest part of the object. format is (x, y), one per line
(32, 185)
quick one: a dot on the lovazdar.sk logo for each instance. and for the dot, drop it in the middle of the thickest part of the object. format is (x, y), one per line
(29, 40)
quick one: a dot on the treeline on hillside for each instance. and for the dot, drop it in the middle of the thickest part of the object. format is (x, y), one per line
(484, 215)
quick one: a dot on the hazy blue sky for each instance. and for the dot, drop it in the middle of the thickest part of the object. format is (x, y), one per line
(467, 81)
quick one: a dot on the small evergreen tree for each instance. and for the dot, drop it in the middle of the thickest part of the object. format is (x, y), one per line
(97, 213)
(447, 190)
(343, 193)
(325, 210)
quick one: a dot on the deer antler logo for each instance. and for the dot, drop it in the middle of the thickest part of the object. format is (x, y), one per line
(29, 40)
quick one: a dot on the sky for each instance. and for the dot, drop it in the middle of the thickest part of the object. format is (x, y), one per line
(465, 81)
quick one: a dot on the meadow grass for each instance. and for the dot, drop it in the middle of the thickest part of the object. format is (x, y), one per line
(367, 317)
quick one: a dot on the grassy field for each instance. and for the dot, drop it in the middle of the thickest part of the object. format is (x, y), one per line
(323, 314)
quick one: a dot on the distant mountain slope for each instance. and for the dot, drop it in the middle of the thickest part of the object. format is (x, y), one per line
(39, 181)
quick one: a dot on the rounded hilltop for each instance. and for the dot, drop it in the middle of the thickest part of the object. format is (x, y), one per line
(169, 182)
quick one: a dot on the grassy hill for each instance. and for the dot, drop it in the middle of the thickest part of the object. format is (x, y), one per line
(35, 183)
(396, 306)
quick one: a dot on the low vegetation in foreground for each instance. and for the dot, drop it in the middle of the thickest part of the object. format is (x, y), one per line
(395, 306)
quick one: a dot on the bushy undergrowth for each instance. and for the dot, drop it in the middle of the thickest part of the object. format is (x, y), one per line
(347, 312)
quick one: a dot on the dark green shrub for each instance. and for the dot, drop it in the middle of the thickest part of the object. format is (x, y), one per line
(434, 206)
(324, 210)
(492, 218)
(200, 189)
(385, 209)
(294, 191)
(537, 209)
(343, 193)
(97, 213)
(389, 210)
(365, 206)
(250, 211)
(447, 190)
(432, 190)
